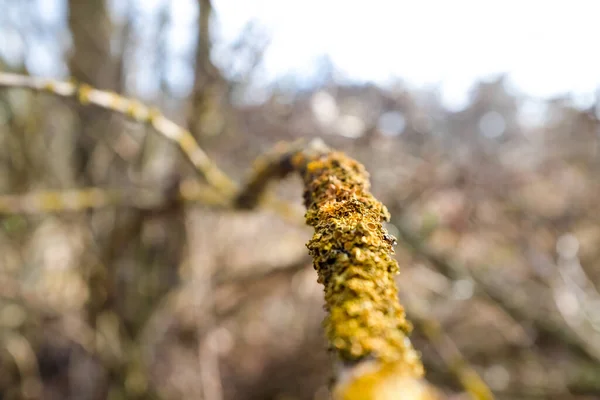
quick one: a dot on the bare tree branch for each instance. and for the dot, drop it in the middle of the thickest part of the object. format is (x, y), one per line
(133, 109)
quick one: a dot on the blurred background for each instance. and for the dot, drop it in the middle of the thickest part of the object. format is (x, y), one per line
(478, 122)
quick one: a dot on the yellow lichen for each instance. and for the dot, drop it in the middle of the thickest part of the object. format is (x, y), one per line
(83, 93)
(51, 201)
(352, 254)
(187, 142)
(49, 86)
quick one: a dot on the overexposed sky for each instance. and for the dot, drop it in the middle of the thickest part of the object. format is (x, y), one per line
(547, 47)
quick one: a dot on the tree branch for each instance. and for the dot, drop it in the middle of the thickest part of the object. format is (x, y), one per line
(352, 252)
(87, 95)
(497, 294)
(188, 191)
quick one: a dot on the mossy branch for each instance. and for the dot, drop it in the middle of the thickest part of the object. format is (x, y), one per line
(353, 254)
(87, 95)
(188, 191)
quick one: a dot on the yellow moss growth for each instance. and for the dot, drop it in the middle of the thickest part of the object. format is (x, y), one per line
(352, 254)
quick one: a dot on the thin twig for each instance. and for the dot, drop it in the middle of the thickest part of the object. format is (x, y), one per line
(188, 191)
(502, 297)
(85, 94)
(449, 352)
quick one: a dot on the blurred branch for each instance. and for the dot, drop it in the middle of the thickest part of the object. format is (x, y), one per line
(496, 293)
(91, 29)
(91, 59)
(275, 164)
(133, 109)
(52, 201)
(203, 62)
(456, 363)
(25, 359)
(206, 116)
(188, 191)
(574, 295)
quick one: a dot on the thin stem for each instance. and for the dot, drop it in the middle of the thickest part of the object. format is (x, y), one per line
(58, 201)
(85, 94)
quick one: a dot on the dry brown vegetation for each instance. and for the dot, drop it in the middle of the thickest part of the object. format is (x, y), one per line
(168, 291)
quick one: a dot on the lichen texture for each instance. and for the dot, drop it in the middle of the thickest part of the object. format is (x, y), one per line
(352, 252)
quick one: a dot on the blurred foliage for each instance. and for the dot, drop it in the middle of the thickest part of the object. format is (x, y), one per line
(494, 208)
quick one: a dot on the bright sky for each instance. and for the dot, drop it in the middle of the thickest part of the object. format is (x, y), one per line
(547, 47)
